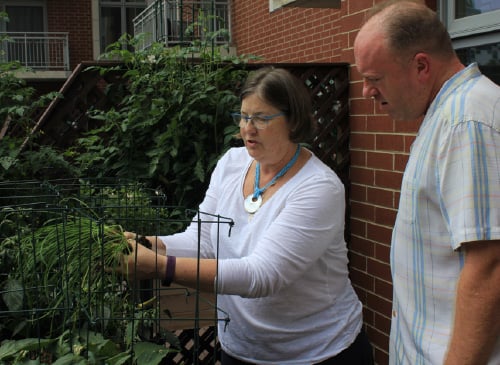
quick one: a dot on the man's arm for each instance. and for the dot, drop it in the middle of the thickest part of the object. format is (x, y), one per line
(477, 311)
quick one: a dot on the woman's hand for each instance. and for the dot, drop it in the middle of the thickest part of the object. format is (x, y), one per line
(141, 263)
(152, 242)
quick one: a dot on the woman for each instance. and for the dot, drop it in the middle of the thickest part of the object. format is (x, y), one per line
(281, 275)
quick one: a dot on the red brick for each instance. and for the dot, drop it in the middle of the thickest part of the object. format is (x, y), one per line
(357, 262)
(381, 197)
(380, 123)
(358, 158)
(382, 252)
(358, 227)
(378, 233)
(406, 126)
(368, 315)
(357, 123)
(381, 355)
(380, 160)
(362, 141)
(383, 288)
(379, 269)
(385, 216)
(362, 246)
(390, 142)
(359, 5)
(379, 304)
(362, 176)
(363, 211)
(382, 322)
(380, 340)
(400, 161)
(362, 106)
(388, 179)
(362, 279)
(408, 140)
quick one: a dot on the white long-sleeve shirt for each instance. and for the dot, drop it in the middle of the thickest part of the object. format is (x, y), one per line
(282, 273)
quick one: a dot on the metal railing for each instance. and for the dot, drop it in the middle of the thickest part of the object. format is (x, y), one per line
(36, 50)
(182, 22)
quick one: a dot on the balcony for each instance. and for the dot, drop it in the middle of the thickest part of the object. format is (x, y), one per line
(37, 51)
(183, 22)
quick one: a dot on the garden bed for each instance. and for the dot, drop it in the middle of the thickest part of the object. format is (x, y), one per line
(59, 305)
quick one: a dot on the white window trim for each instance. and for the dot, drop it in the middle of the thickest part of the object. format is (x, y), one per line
(277, 4)
(471, 25)
(95, 29)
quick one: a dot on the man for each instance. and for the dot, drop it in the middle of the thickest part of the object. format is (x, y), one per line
(445, 253)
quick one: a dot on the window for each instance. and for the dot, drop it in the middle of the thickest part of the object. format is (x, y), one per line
(27, 22)
(466, 17)
(466, 8)
(487, 56)
(25, 18)
(116, 19)
(474, 26)
(276, 4)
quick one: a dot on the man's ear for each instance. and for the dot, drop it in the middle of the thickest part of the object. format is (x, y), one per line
(422, 63)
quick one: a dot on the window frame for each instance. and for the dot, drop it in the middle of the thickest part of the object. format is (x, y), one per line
(472, 31)
(123, 5)
(470, 25)
(325, 4)
(41, 3)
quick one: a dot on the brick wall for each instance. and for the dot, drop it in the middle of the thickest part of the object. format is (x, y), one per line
(379, 146)
(75, 17)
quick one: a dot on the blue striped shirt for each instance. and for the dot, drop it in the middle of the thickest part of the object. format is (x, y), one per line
(450, 194)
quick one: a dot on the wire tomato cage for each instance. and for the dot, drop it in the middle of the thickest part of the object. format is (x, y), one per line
(60, 301)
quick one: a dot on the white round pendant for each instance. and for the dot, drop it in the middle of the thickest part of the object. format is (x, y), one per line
(252, 204)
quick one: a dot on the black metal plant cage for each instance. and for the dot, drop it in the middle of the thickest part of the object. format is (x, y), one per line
(58, 302)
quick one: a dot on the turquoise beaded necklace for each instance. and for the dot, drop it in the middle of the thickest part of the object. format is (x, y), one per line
(254, 200)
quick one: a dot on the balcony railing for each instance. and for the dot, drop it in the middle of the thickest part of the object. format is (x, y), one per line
(36, 50)
(182, 22)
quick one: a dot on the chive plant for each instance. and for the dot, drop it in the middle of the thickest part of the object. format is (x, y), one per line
(58, 297)
(61, 270)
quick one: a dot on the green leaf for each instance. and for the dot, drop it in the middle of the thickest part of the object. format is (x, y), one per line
(147, 353)
(199, 171)
(120, 359)
(13, 295)
(71, 359)
(6, 162)
(10, 348)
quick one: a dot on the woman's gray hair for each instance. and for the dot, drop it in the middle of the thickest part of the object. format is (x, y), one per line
(284, 91)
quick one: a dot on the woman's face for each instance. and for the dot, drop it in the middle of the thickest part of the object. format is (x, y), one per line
(269, 144)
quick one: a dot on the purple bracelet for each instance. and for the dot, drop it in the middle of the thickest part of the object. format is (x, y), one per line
(170, 271)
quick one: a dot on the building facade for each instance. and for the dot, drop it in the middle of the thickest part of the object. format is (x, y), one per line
(281, 31)
(52, 37)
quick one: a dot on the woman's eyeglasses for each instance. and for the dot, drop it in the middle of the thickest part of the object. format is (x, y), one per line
(258, 121)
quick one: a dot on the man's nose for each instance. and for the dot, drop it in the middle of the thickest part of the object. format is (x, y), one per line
(369, 91)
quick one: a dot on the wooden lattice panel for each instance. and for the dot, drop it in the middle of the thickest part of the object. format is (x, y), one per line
(202, 349)
(329, 89)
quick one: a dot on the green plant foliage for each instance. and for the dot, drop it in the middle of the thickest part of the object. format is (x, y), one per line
(18, 105)
(57, 298)
(173, 121)
(169, 126)
(61, 263)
